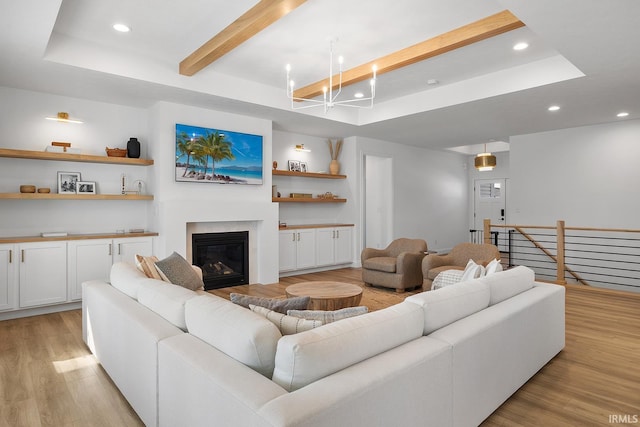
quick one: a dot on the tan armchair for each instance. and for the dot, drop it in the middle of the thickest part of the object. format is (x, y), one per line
(480, 253)
(398, 266)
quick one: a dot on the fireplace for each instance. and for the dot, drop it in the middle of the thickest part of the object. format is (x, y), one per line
(223, 257)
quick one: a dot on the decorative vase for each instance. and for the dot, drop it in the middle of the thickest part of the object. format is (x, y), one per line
(133, 148)
(334, 167)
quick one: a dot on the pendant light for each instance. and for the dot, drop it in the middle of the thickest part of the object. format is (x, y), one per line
(485, 161)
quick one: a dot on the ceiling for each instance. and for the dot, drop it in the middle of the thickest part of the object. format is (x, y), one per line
(583, 55)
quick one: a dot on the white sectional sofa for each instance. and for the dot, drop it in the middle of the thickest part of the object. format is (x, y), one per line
(441, 358)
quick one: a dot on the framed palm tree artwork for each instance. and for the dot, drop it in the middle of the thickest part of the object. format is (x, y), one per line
(217, 156)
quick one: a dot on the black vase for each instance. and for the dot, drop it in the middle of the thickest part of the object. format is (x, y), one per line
(133, 148)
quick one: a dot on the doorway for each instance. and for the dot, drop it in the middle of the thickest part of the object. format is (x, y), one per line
(490, 203)
(378, 201)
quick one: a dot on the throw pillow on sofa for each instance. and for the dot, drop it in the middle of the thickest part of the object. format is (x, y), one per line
(177, 270)
(147, 264)
(279, 305)
(472, 271)
(329, 316)
(287, 325)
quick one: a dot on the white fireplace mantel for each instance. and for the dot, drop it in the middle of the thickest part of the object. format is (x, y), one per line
(176, 218)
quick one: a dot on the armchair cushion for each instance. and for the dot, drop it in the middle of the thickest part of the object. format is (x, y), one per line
(387, 264)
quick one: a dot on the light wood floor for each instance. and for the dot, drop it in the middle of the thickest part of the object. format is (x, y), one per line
(49, 378)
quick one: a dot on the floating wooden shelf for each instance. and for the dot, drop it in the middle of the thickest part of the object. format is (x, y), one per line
(26, 239)
(306, 200)
(50, 196)
(307, 174)
(67, 157)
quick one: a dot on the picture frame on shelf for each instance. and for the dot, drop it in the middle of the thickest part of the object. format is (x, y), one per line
(86, 187)
(303, 167)
(294, 165)
(68, 182)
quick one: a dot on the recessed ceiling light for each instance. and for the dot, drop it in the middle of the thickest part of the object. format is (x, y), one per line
(553, 108)
(520, 46)
(121, 28)
(622, 114)
(358, 95)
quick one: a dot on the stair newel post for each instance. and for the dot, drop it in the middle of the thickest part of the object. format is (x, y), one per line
(560, 252)
(487, 231)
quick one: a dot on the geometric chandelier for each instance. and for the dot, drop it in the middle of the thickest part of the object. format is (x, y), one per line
(330, 97)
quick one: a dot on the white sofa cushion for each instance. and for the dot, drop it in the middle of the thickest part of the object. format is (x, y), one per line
(165, 299)
(126, 278)
(505, 284)
(236, 331)
(446, 305)
(308, 356)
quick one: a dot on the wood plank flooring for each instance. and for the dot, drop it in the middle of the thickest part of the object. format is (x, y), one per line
(48, 377)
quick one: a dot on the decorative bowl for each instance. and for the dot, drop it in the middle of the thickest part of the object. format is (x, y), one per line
(116, 152)
(44, 190)
(27, 188)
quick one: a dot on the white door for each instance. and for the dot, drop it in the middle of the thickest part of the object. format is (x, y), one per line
(378, 184)
(7, 276)
(43, 273)
(88, 260)
(490, 203)
(343, 252)
(126, 249)
(306, 248)
(325, 242)
(287, 249)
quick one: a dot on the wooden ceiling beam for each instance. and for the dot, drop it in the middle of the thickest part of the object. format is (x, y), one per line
(256, 19)
(482, 29)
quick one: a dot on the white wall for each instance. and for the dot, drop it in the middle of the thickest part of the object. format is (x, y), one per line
(430, 192)
(23, 127)
(586, 176)
(178, 204)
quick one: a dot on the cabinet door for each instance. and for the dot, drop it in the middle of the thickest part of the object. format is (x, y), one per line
(343, 245)
(305, 248)
(287, 250)
(325, 241)
(43, 273)
(88, 260)
(126, 249)
(7, 277)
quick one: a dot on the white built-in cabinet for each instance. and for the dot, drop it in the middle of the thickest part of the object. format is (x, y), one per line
(297, 249)
(310, 247)
(333, 246)
(43, 273)
(8, 277)
(92, 259)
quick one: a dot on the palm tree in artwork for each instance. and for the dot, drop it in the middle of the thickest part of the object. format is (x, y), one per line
(185, 145)
(215, 145)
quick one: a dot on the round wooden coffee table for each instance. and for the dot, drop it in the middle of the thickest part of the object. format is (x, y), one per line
(327, 295)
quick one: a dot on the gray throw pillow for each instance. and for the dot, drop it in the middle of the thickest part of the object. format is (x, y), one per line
(279, 305)
(329, 316)
(178, 271)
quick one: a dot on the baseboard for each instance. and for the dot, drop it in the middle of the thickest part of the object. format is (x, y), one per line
(36, 311)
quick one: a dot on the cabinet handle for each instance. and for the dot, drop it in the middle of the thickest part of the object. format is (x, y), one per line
(110, 250)
(298, 237)
(337, 234)
(294, 236)
(333, 234)
(22, 255)
(119, 249)
(10, 256)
